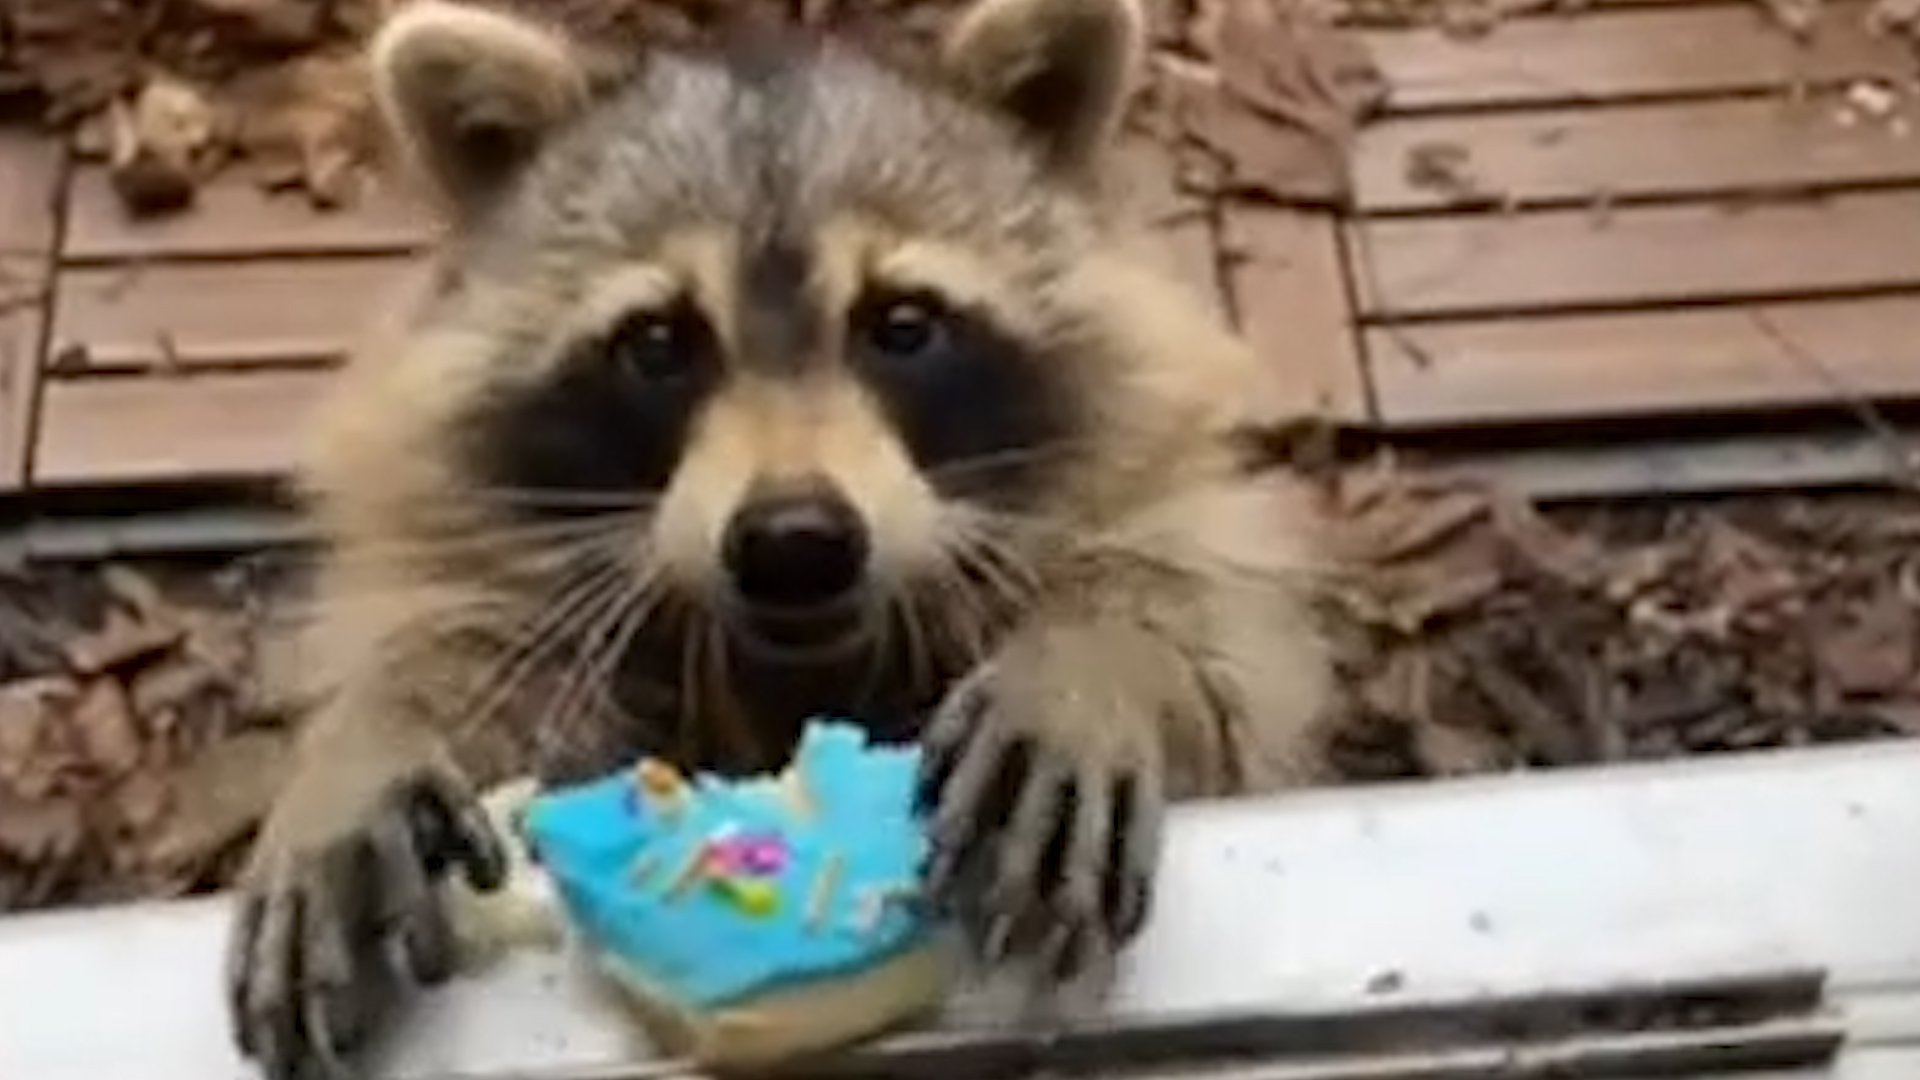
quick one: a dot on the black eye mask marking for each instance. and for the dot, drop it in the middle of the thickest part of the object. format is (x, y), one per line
(612, 418)
(978, 410)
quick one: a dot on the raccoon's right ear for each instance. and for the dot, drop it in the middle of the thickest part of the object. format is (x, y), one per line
(471, 94)
(1061, 69)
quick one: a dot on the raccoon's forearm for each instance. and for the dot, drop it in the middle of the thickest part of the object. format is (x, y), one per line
(377, 677)
(358, 741)
(1204, 607)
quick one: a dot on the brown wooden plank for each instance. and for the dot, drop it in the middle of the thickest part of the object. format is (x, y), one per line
(235, 217)
(1289, 292)
(255, 312)
(155, 428)
(1684, 148)
(30, 170)
(1638, 363)
(1646, 254)
(1612, 54)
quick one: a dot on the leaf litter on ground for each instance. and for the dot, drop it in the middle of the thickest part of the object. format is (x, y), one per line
(140, 742)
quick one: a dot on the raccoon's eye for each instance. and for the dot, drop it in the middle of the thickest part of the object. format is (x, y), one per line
(657, 345)
(905, 328)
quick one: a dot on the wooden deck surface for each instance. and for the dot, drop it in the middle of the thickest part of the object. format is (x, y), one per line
(1647, 210)
(1644, 210)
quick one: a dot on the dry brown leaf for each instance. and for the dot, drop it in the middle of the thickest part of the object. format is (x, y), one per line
(1632, 573)
(1417, 596)
(25, 703)
(1283, 100)
(108, 740)
(139, 593)
(121, 641)
(222, 641)
(1869, 647)
(1542, 726)
(1574, 561)
(1418, 548)
(220, 795)
(283, 22)
(32, 756)
(40, 830)
(142, 801)
(1448, 749)
(171, 685)
(1903, 714)
(1359, 490)
(1418, 524)
(1744, 570)
(1402, 688)
(309, 124)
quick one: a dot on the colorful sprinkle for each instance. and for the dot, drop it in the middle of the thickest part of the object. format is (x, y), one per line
(695, 868)
(820, 900)
(760, 854)
(867, 910)
(642, 872)
(752, 896)
(659, 779)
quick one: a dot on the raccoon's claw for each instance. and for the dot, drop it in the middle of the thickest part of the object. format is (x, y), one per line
(1042, 849)
(325, 936)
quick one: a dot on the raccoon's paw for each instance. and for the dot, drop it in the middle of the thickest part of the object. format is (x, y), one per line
(326, 932)
(1045, 811)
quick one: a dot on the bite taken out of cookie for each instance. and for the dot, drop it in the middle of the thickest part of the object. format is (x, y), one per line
(758, 919)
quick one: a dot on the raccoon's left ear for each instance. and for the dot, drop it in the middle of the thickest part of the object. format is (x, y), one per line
(1061, 69)
(471, 94)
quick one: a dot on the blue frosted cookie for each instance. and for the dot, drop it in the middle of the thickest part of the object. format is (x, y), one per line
(752, 919)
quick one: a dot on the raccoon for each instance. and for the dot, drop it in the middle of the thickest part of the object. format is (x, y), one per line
(765, 381)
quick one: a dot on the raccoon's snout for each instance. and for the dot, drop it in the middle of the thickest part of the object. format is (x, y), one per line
(795, 548)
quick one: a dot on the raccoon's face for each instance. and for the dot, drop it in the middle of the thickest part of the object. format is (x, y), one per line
(821, 325)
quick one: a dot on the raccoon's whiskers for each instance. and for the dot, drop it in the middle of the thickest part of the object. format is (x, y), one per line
(531, 538)
(705, 703)
(599, 654)
(982, 556)
(726, 713)
(1012, 457)
(561, 694)
(1216, 564)
(962, 614)
(912, 637)
(583, 573)
(1002, 571)
(692, 686)
(547, 627)
(878, 655)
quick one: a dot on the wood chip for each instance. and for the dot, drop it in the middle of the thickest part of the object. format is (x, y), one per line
(120, 643)
(40, 830)
(172, 684)
(103, 724)
(1868, 649)
(1515, 637)
(221, 795)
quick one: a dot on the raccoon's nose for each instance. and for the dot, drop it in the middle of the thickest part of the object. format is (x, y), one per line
(795, 548)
